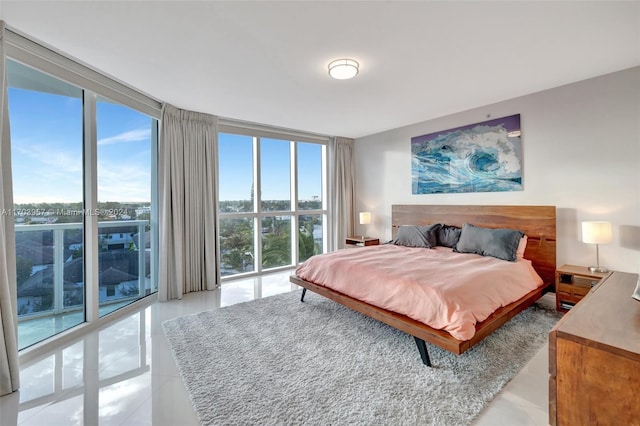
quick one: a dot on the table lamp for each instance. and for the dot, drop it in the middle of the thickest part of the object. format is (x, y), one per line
(596, 233)
(365, 219)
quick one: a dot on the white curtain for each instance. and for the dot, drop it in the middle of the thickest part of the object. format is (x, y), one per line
(343, 189)
(187, 156)
(9, 368)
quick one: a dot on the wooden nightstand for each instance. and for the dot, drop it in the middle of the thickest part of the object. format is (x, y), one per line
(573, 283)
(351, 242)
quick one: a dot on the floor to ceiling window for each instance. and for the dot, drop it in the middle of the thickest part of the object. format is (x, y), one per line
(311, 177)
(67, 181)
(124, 141)
(46, 122)
(272, 200)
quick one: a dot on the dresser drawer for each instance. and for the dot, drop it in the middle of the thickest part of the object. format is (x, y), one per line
(573, 290)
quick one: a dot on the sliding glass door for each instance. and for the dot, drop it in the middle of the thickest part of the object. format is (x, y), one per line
(46, 121)
(124, 151)
(55, 180)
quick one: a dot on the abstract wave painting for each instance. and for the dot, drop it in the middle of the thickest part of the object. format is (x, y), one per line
(481, 157)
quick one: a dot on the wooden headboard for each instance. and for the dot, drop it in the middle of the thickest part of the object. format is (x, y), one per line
(537, 222)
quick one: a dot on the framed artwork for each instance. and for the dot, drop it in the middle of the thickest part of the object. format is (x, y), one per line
(480, 157)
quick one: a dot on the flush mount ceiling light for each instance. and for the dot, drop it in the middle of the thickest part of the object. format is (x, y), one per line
(343, 69)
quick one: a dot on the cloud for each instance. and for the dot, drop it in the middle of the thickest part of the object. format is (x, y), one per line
(130, 136)
(57, 160)
(124, 180)
(41, 174)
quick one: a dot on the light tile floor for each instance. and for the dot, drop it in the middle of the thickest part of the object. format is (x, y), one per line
(124, 372)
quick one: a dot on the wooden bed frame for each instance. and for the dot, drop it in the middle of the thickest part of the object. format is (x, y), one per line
(537, 222)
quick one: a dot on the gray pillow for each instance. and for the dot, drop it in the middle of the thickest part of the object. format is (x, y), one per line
(448, 236)
(417, 236)
(499, 243)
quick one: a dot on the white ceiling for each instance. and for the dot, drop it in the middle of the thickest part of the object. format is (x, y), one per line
(266, 62)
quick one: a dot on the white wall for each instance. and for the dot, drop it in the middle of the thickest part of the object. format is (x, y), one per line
(581, 153)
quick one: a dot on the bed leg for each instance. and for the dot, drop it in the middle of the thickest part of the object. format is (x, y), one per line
(424, 354)
(304, 291)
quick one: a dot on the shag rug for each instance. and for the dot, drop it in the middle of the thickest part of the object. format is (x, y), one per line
(279, 361)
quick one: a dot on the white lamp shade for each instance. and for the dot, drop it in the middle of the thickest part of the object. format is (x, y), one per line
(365, 218)
(596, 232)
(343, 69)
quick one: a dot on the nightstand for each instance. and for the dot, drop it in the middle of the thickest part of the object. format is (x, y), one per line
(573, 283)
(351, 242)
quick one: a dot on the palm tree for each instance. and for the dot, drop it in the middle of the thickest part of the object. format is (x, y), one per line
(306, 245)
(276, 250)
(234, 259)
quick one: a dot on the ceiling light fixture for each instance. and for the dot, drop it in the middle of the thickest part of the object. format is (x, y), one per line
(343, 69)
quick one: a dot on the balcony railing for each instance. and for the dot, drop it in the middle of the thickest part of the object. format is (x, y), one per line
(61, 275)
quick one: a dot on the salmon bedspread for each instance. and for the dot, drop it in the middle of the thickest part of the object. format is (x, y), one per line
(441, 288)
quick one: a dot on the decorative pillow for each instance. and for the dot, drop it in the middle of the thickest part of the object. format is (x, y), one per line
(417, 236)
(448, 236)
(522, 246)
(499, 243)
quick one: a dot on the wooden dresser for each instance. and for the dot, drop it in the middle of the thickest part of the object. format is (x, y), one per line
(594, 358)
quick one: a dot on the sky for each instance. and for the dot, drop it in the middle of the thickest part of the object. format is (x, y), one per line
(236, 168)
(46, 144)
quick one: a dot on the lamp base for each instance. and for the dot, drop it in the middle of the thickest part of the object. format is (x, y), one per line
(600, 269)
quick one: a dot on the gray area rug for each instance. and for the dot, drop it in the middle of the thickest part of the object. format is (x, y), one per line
(279, 361)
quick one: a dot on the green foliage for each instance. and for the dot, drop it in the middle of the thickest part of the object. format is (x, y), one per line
(240, 206)
(276, 242)
(307, 247)
(236, 243)
(246, 206)
(275, 250)
(237, 259)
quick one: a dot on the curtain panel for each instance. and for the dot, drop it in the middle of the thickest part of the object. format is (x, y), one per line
(9, 367)
(343, 201)
(187, 155)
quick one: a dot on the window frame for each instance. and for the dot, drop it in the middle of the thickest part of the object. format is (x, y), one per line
(257, 133)
(94, 84)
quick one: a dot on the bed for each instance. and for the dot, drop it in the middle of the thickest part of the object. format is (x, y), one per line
(538, 223)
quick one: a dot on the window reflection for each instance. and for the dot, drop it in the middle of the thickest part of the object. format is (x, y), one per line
(93, 371)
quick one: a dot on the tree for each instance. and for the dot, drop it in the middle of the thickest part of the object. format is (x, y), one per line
(276, 244)
(236, 239)
(276, 250)
(236, 260)
(306, 245)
